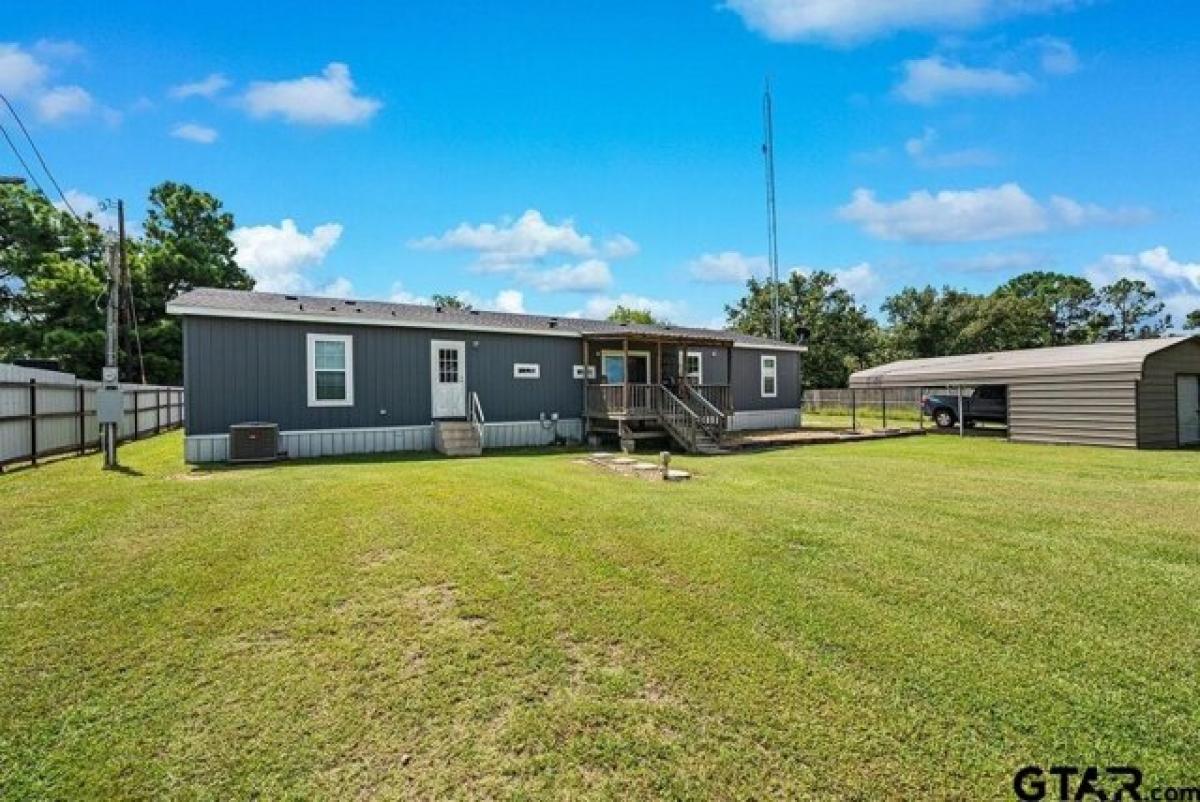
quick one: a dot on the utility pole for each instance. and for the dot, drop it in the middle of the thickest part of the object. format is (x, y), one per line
(772, 231)
(110, 405)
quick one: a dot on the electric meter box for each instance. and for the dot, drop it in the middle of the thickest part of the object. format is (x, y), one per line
(110, 405)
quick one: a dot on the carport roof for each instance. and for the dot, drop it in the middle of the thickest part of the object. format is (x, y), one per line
(1004, 367)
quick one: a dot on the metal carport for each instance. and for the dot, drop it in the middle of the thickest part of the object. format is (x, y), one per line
(1124, 394)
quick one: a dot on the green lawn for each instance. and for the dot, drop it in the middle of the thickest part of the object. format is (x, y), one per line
(910, 619)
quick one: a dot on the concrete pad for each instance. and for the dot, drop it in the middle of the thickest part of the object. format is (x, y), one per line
(677, 476)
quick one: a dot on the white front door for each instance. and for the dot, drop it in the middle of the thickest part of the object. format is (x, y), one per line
(448, 362)
(1188, 395)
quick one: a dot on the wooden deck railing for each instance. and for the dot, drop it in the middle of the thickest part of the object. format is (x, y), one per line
(717, 395)
(685, 415)
(606, 400)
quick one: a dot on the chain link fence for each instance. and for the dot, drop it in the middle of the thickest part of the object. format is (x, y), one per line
(863, 410)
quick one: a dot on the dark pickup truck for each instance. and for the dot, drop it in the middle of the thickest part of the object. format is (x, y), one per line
(989, 403)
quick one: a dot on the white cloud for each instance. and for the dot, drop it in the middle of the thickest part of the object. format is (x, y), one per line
(208, 87)
(850, 21)
(989, 213)
(399, 295)
(59, 49)
(930, 80)
(590, 275)
(1058, 57)
(1074, 214)
(20, 72)
(62, 102)
(194, 132)
(1177, 283)
(89, 205)
(511, 243)
(996, 262)
(325, 99)
(340, 287)
(923, 151)
(727, 267)
(620, 247)
(861, 280)
(512, 301)
(514, 245)
(277, 255)
(601, 306)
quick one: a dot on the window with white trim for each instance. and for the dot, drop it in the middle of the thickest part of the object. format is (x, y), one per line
(330, 370)
(527, 370)
(768, 377)
(693, 367)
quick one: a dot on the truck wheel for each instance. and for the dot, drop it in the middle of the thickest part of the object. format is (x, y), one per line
(944, 418)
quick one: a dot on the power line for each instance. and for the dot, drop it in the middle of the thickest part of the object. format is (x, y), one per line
(40, 159)
(20, 158)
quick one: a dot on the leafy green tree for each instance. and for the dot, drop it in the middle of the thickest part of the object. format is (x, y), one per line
(998, 322)
(842, 337)
(1130, 309)
(186, 244)
(52, 279)
(1069, 305)
(624, 314)
(451, 302)
(1193, 320)
(924, 322)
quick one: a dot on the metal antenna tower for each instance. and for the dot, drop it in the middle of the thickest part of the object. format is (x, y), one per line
(772, 232)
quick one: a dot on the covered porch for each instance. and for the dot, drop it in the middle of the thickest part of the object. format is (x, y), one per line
(656, 385)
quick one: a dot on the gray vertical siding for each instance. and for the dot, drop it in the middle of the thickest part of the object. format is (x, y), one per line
(1085, 409)
(242, 370)
(1158, 413)
(746, 382)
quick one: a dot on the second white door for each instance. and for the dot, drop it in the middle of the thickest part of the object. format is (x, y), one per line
(448, 378)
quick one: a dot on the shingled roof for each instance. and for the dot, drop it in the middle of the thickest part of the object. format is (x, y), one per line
(275, 306)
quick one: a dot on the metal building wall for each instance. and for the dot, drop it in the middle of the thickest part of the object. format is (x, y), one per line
(245, 370)
(1158, 414)
(747, 390)
(1100, 410)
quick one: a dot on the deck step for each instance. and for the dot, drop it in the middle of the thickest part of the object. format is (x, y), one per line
(456, 439)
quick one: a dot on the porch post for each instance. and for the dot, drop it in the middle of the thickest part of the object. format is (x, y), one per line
(658, 359)
(586, 417)
(625, 374)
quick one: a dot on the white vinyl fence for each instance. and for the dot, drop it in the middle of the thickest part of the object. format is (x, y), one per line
(44, 412)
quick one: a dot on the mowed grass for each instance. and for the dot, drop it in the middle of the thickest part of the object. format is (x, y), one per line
(908, 619)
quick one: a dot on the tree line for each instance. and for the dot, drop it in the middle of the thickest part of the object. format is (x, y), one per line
(1033, 310)
(54, 279)
(54, 276)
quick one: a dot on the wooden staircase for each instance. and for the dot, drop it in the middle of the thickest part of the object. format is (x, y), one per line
(457, 438)
(699, 432)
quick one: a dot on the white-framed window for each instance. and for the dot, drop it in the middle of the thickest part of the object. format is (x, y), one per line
(693, 367)
(768, 377)
(527, 370)
(330, 370)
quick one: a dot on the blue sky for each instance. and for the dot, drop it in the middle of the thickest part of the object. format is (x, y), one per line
(562, 158)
